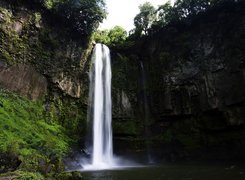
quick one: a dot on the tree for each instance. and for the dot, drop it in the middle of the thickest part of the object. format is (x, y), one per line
(117, 35)
(163, 14)
(184, 8)
(145, 18)
(82, 16)
(101, 36)
(150, 20)
(79, 17)
(113, 37)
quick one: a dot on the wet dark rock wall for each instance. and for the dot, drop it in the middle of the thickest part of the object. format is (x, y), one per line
(195, 85)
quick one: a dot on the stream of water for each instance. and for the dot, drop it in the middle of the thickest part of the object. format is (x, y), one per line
(100, 113)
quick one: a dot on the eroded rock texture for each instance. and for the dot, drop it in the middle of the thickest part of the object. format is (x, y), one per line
(24, 80)
(199, 67)
(195, 88)
(41, 60)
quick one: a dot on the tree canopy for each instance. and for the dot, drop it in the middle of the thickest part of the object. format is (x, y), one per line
(163, 15)
(150, 18)
(184, 8)
(113, 37)
(145, 18)
(82, 17)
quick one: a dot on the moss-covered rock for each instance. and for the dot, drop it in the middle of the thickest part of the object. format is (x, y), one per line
(28, 134)
(194, 73)
(39, 59)
(22, 175)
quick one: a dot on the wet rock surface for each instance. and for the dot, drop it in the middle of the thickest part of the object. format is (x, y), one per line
(195, 86)
(8, 162)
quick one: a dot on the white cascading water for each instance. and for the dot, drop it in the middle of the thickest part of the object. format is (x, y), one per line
(100, 99)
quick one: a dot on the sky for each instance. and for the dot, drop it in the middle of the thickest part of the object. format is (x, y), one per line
(122, 12)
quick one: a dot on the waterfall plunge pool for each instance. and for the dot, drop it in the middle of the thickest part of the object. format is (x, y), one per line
(185, 171)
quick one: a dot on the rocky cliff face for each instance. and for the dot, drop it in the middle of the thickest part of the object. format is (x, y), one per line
(40, 60)
(191, 98)
(24, 80)
(202, 67)
(196, 83)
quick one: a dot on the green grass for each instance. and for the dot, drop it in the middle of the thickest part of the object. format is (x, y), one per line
(27, 132)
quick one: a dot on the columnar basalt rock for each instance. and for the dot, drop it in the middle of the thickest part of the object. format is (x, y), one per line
(196, 83)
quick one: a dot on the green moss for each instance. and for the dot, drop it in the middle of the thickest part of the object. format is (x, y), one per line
(70, 113)
(47, 40)
(192, 135)
(6, 56)
(127, 127)
(13, 48)
(7, 16)
(21, 175)
(37, 17)
(28, 133)
(185, 132)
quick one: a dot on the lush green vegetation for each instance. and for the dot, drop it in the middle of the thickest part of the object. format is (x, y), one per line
(80, 17)
(150, 19)
(113, 37)
(29, 130)
(22, 175)
(145, 18)
(29, 134)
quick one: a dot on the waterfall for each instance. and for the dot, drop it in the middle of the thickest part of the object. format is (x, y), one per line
(100, 108)
(146, 112)
(102, 131)
(98, 153)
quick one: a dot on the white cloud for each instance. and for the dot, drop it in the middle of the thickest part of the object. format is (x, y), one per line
(122, 12)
